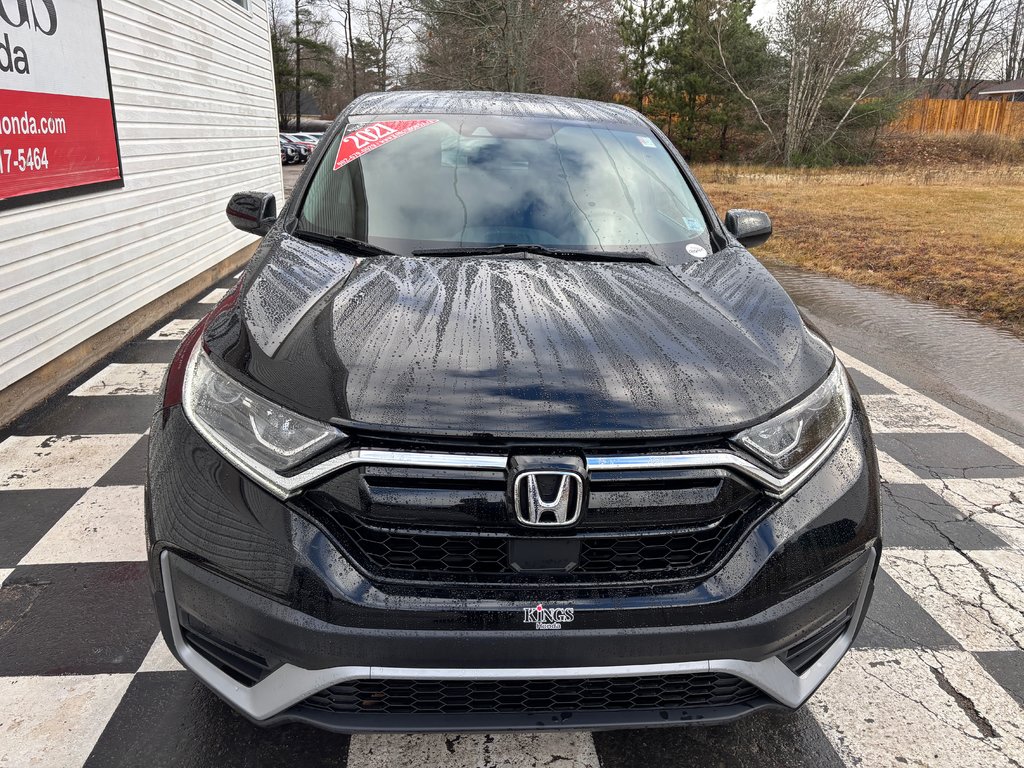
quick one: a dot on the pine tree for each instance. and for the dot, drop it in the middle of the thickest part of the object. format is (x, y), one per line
(642, 25)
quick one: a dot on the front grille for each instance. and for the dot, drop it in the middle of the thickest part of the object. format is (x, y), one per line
(421, 525)
(687, 691)
(414, 554)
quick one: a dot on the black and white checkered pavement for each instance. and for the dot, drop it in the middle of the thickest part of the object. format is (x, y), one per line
(936, 677)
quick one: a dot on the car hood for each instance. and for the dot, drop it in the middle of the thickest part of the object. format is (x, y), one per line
(524, 347)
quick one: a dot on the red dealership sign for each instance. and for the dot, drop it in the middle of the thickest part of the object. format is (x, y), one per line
(58, 135)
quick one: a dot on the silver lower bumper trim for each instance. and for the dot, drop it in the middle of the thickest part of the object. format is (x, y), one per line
(288, 685)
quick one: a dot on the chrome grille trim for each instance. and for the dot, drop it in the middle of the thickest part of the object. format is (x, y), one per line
(777, 486)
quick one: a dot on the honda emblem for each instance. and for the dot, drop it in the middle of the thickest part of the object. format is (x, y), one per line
(548, 499)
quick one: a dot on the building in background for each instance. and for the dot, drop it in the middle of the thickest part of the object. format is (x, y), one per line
(124, 128)
(1011, 90)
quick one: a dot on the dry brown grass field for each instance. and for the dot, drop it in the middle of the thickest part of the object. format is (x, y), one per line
(948, 232)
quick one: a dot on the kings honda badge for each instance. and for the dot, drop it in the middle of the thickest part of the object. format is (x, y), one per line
(547, 618)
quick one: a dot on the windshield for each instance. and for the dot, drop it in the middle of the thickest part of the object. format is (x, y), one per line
(407, 183)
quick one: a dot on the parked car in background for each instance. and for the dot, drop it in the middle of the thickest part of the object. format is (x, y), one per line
(302, 151)
(296, 138)
(505, 428)
(310, 138)
(289, 153)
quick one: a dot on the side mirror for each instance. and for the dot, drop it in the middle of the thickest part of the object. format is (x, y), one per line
(253, 212)
(751, 228)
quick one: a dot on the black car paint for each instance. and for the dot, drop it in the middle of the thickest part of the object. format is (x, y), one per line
(269, 576)
(524, 347)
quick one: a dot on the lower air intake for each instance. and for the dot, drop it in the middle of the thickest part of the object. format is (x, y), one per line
(801, 657)
(686, 691)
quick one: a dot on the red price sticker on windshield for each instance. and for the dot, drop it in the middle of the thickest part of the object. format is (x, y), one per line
(366, 138)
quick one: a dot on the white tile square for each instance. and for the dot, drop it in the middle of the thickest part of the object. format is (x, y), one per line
(996, 503)
(987, 436)
(4, 573)
(976, 597)
(907, 413)
(54, 722)
(917, 707)
(891, 471)
(124, 379)
(159, 658)
(105, 525)
(70, 461)
(214, 296)
(176, 330)
(574, 749)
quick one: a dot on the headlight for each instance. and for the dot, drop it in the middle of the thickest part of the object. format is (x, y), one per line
(790, 438)
(255, 434)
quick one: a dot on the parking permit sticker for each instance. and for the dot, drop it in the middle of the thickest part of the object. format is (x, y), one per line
(366, 138)
(697, 251)
(646, 141)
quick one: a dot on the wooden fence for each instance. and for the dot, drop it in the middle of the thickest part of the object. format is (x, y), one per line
(1002, 118)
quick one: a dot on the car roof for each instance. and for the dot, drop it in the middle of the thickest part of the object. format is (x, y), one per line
(494, 103)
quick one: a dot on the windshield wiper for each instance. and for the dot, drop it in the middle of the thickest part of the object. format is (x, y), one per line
(542, 250)
(349, 245)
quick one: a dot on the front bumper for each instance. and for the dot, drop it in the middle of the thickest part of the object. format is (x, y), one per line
(258, 576)
(273, 698)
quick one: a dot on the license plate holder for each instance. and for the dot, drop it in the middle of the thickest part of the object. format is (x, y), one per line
(544, 555)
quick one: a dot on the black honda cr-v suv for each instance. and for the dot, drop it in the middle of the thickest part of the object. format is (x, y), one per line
(504, 428)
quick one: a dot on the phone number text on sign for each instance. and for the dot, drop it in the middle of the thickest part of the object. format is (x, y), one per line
(58, 135)
(23, 159)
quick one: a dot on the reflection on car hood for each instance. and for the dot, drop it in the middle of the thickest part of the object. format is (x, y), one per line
(518, 347)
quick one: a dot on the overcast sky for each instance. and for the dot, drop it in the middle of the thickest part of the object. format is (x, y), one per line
(763, 9)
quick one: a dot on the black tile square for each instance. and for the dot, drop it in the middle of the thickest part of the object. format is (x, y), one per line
(26, 516)
(764, 739)
(130, 469)
(866, 385)
(145, 350)
(896, 620)
(94, 415)
(193, 310)
(1007, 668)
(76, 619)
(916, 517)
(171, 719)
(947, 454)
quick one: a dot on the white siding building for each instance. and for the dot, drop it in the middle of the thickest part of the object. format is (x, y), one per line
(193, 93)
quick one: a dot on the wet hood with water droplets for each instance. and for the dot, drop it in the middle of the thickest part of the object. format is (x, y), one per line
(527, 347)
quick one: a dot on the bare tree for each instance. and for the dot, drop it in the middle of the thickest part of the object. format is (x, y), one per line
(485, 44)
(387, 21)
(346, 20)
(900, 17)
(832, 55)
(303, 51)
(590, 47)
(959, 45)
(820, 40)
(1013, 40)
(575, 49)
